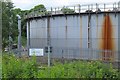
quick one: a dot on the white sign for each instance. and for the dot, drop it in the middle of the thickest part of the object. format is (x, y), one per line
(36, 52)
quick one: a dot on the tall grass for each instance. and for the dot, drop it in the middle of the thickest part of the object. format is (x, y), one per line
(13, 67)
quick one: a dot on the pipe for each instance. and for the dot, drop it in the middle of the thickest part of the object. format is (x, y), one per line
(19, 35)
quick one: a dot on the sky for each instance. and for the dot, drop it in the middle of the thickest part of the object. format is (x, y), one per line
(28, 4)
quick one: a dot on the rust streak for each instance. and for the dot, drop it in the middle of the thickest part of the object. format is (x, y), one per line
(97, 23)
(66, 31)
(66, 28)
(80, 31)
(107, 43)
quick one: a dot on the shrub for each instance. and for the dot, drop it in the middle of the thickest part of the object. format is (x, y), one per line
(13, 67)
(79, 69)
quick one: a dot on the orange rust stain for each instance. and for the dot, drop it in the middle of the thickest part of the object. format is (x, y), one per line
(107, 43)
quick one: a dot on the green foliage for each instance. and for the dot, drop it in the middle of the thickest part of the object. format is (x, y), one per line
(27, 68)
(23, 40)
(67, 10)
(17, 11)
(80, 69)
(10, 23)
(13, 67)
(39, 9)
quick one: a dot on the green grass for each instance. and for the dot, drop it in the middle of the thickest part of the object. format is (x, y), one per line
(13, 67)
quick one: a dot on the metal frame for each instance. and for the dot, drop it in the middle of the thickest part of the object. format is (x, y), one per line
(102, 7)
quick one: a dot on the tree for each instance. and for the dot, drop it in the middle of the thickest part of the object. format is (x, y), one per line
(7, 22)
(40, 9)
(17, 11)
(67, 10)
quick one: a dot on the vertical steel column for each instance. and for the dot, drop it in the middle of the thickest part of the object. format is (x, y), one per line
(19, 36)
(89, 17)
(28, 36)
(48, 39)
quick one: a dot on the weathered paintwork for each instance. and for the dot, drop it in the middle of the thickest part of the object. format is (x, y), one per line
(82, 36)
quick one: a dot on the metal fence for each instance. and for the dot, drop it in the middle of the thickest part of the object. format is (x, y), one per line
(101, 7)
(65, 51)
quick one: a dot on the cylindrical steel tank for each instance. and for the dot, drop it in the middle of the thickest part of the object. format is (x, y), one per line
(92, 36)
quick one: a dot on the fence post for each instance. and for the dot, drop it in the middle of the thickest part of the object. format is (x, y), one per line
(91, 6)
(51, 11)
(74, 8)
(79, 8)
(119, 6)
(55, 10)
(48, 56)
(96, 6)
(104, 7)
(88, 7)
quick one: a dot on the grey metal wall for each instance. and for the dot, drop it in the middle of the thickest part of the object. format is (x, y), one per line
(38, 33)
(79, 36)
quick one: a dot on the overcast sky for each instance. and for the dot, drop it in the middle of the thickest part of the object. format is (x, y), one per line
(28, 4)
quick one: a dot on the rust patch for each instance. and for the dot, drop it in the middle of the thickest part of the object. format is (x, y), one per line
(107, 42)
(66, 28)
